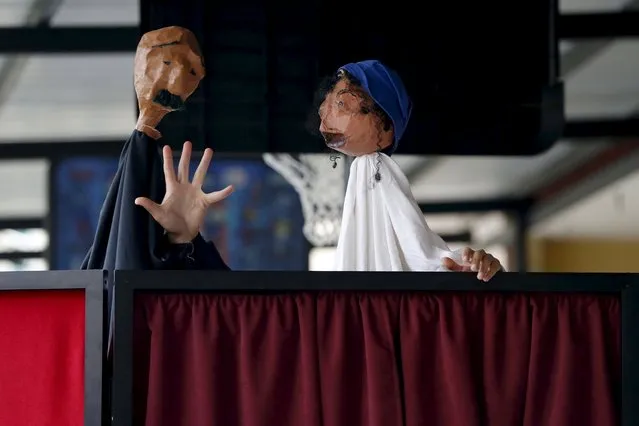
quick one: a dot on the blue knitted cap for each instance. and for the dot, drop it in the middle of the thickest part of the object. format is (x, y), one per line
(385, 87)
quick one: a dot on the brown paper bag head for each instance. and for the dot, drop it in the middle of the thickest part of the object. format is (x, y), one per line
(168, 68)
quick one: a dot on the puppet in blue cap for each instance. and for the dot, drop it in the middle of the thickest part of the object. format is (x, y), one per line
(364, 113)
(365, 110)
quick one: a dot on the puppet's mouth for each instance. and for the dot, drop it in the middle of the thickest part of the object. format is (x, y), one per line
(334, 140)
(169, 100)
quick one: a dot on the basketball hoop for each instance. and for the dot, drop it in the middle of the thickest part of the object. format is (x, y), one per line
(321, 188)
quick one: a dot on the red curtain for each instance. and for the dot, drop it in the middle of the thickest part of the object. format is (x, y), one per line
(42, 358)
(377, 359)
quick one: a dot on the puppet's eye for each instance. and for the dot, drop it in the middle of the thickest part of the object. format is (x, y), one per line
(192, 71)
(167, 62)
(340, 103)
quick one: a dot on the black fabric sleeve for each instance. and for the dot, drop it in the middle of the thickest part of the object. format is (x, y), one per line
(127, 237)
(126, 234)
(197, 254)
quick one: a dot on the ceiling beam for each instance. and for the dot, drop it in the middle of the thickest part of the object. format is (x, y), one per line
(480, 206)
(45, 40)
(21, 223)
(95, 148)
(55, 150)
(599, 25)
(68, 40)
(15, 256)
(602, 128)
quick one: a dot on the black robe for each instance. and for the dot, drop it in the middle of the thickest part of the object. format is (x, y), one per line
(127, 237)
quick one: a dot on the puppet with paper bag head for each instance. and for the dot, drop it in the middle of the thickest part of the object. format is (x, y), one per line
(168, 69)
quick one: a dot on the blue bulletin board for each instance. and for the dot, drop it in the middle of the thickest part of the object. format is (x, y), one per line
(259, 227)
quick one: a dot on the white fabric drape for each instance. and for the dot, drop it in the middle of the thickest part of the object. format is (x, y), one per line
(383, 228)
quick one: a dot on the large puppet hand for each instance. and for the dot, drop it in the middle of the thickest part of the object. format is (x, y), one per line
(184, 205)
(478, 261)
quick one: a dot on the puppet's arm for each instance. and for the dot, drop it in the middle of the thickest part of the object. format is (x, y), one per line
(196, 254)
(181, 214)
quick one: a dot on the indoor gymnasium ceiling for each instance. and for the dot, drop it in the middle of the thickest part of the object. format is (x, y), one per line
(61, 97)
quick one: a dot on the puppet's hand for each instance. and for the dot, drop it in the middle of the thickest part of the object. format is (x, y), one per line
(184, 205)
(478, 261)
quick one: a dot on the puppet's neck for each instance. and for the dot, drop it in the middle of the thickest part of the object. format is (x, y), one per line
(150, 117)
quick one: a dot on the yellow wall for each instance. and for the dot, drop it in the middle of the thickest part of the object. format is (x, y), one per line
(583, 255)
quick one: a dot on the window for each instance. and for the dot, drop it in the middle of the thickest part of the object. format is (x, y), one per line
(23, 249)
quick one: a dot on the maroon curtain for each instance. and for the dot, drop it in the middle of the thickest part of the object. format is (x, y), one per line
(377, 359)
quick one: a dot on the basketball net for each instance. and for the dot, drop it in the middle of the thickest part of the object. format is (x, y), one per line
(321, 188)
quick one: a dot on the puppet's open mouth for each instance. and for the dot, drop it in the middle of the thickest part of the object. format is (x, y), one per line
(169, 100)
(334, 140)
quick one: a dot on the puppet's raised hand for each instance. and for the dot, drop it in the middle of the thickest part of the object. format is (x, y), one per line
(184, 205)
(478, 261)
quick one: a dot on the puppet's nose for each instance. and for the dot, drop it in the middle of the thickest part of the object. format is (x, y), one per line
(180, 77)
(324, 112)
(323, 127)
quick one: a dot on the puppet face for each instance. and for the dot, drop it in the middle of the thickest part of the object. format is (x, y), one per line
(168, 68)
(348, 123)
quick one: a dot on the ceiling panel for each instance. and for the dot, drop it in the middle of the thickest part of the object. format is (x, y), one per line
(574, 6)
(97, 12)
(23, 188)
(450, 223)
(476, 178)
(13, 13)
(611, 212)
(71, 97)
(408, 163)
(607, 85)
